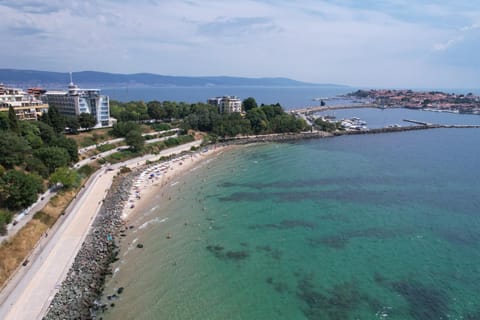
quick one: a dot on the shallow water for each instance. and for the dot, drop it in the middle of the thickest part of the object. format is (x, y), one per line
(355, 227)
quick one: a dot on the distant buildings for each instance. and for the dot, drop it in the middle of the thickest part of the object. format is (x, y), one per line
(76, 101)
(27, 106)
(226, 104)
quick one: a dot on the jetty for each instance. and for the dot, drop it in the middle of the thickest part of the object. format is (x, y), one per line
(315, 134)
(314, 109)
(418, 122)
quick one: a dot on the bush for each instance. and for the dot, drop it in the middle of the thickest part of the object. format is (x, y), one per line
(125, 170)
(160, 126)
(86, 170)
(44, 218)
(5, 218)
(87, 141)
(170, 142)
(105, 147)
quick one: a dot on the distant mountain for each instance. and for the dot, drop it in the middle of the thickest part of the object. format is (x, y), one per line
(47, 79)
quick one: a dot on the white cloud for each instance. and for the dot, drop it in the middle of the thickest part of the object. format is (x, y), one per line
(309, 40)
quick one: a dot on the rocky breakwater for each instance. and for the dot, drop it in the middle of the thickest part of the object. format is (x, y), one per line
(80, 291)
(276, 137)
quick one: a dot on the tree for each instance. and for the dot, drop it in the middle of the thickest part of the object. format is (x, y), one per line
(19, 189)
(31, 133)
(72, 124)
(154, 110)
(69, 145)
(13, 148)
(12, 119)
(46, 132)
(249, 104)
(53, 157)
(4, 121)
(65, 176)
(135, 140)
(36, 165)
(56, 120)
(258, 120)
(87, 120)
(121, 129)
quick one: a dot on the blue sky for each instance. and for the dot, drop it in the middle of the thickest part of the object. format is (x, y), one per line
(368, 43)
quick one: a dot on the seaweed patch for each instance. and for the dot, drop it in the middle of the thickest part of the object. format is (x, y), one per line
(424, 302)
(338, 302)
(220, 253)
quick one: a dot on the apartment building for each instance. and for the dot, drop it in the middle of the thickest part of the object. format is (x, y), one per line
(226, 104)
(26, 106)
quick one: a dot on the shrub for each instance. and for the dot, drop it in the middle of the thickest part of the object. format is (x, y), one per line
(44, 218)
(85, 170)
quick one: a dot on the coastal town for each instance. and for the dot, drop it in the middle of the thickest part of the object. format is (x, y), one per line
(425, 100)
(196, 130)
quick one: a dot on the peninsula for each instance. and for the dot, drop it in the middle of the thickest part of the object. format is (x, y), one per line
(426, 100)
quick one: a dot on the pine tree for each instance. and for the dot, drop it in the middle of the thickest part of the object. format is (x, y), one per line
(12, 119)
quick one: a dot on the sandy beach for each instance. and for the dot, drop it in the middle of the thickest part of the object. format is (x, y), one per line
(161, 175)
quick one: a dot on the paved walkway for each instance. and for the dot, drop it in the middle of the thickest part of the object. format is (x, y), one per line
(30, 291)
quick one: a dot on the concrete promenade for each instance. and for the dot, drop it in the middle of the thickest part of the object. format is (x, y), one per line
(30, 291)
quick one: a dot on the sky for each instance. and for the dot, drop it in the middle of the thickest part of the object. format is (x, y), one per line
(363, 43)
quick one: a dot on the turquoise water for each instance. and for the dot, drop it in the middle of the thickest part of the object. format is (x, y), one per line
(359, 227)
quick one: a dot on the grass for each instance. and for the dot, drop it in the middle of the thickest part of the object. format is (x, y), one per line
(105, 147)
(88, 138)
(18, 248)
(121, 156)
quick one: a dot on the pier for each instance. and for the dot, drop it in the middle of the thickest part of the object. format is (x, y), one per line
(314, 109)
(417, 122)
(289, 137)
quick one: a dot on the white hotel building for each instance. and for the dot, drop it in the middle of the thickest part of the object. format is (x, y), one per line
(226, 104)
(76, 101)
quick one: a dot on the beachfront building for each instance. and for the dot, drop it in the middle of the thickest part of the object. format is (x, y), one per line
(76, 101)
(226, 104)
(26, 106)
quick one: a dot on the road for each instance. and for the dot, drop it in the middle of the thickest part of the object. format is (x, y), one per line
(32, 288)
(92, 147)
(25, 216)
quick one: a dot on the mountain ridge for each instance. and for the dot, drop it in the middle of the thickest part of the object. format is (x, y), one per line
(25, 78)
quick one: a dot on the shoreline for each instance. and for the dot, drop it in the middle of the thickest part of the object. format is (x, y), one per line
(80, 293)
(82, 290)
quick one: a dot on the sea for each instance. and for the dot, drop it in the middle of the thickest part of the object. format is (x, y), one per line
(383, 226)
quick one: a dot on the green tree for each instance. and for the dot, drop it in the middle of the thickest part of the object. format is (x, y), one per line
(155, 110)
(273, 110)
(30, 132)
(258, 120)
(72, 124)
(135, 140)
(121, 129)
(55, 119)
(249, 104)
(69, 145)
(36, 165)
(87, 120)
(66, 177)
(46, 132)
(53, 157)
(12, 119)
(19, 189)
(13, 148)
(4, 121)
